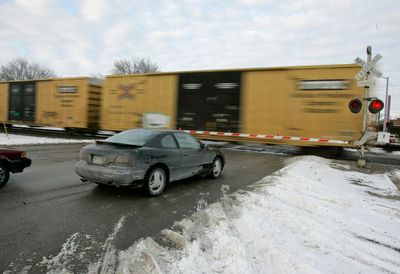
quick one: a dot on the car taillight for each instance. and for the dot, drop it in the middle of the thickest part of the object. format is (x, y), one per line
(121, 160)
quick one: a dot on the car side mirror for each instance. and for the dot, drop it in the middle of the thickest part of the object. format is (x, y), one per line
(202, 145)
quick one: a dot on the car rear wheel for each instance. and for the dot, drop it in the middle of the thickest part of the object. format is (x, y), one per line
(217, 167)
(156, 181)
(4, 174)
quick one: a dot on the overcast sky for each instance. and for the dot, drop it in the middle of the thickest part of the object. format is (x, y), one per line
(79, 38)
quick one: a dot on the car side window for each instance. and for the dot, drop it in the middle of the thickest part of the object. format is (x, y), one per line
(168, 142)
(187, 141)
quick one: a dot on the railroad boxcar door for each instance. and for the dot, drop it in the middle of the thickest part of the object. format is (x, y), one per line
(209, 101)
(22, 102)
(223, 101)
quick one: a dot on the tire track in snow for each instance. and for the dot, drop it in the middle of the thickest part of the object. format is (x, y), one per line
(105, 262)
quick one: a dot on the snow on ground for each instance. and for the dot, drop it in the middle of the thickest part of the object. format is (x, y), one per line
(376, 150)
(313, 216)
(44, 128)
(310, 217)
(12, 139)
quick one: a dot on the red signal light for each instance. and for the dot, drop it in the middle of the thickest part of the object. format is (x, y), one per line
(355, 105)
(375, 106)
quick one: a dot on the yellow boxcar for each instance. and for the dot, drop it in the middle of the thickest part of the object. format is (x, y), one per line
(126, 98)
(302, 101)
(305, 105)
(61, 102)
(3, 102)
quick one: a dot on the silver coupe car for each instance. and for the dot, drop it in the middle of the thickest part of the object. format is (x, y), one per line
(148, 157)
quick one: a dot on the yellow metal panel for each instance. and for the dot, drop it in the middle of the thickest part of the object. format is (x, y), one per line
(126, 98)
(272, 103)
(3, 102)
(57, 107)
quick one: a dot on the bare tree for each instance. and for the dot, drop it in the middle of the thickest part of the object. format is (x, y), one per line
(97, 75)
(135, 66)
(21, 69)
(97, 78)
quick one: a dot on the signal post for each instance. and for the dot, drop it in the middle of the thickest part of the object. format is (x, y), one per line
(375, 105)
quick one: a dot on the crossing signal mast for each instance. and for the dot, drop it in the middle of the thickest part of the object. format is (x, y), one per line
(374, 104)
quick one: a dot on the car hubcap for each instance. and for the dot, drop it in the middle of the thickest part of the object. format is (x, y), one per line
(217, 167)
(156, 181)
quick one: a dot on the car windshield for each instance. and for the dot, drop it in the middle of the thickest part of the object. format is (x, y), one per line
(137, 137)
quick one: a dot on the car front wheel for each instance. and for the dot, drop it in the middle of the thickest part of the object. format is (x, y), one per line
(156, 182)
(217, 167)
(4, 174)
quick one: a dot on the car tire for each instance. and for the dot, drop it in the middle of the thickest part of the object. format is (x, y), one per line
(217, 167)
(155, 181)
(4, 174)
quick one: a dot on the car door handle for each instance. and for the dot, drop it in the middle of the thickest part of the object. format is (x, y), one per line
(185, 154)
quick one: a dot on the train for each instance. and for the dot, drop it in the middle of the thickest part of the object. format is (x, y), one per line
(297, 105)
(62, 102)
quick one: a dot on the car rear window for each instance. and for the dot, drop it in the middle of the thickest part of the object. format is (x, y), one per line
(137, 137)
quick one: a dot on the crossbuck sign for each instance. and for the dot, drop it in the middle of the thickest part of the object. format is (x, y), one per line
(368, 67)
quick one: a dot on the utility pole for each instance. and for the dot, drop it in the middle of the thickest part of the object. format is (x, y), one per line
(387, 113)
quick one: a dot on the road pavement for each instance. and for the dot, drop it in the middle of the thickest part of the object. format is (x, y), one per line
(48, 216)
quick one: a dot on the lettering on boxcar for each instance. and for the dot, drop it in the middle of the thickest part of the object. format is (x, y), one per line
(50, 114)
(312, 110)
(67, 95)
(323, 84)
(67, 89)
(322, 95)
(317, 103)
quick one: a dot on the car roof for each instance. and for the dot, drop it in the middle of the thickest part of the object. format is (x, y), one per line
(160, 130)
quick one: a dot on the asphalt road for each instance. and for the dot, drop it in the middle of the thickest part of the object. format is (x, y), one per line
(49, 217)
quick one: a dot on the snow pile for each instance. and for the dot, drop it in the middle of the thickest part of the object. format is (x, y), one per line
(377, 150)
(45, 128)
(310, 217)
(12, 139)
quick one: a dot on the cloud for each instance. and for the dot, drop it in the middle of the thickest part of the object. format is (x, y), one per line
(81, 38)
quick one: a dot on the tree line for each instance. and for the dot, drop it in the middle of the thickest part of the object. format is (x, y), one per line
(21, 69)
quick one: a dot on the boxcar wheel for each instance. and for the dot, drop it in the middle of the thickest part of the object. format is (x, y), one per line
(155, 181)
(4, 174)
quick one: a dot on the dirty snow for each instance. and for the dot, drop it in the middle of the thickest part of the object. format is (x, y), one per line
(377, 150)
(310, 217)
(13, 139)
(313, 216)
(44, 128)
(79, 248)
